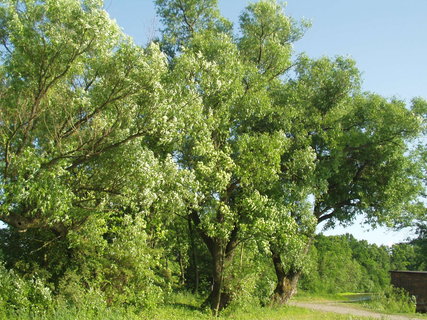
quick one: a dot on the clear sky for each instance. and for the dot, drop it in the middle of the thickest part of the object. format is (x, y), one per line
(387, 39)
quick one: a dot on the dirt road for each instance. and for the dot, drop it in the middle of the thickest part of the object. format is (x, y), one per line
(343, 308)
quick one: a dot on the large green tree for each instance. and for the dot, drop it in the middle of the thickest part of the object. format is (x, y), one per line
(234, 157)
(104, 145)
(363, 163)
(86, 123)
(264, 146)
(77, 99)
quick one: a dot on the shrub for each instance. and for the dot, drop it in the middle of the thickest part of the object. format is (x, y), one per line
(393, 300)
(18, 295)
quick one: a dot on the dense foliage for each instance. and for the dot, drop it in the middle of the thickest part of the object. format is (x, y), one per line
(203, 161)
(411, 255)
(344, 264)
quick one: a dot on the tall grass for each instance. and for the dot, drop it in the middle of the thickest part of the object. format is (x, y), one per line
(179, 306)
(392, 300)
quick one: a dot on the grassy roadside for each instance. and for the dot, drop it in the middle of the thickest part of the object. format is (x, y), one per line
(361, 301)
(186, 306)
(293, 313)
(169, 312)
(183, 307)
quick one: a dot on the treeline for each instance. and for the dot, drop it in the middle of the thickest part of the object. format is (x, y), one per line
(411, 255)
(345, 264)
(201, 161)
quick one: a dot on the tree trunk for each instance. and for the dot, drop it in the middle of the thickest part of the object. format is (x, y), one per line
(181, 269)
(193, 262)
(286, 288)
(220, 296)
(217, 279)
(222, 253)
(286, 285)
(287, 281)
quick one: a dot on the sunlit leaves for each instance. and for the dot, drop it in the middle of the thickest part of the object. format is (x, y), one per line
(267, 36)
(183, 19)
(82, 103)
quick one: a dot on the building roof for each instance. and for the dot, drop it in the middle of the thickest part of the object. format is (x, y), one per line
(406, 271)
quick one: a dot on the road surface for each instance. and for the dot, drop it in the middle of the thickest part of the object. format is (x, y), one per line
(344, 308)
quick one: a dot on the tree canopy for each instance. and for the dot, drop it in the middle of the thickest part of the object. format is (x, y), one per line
(176, 158)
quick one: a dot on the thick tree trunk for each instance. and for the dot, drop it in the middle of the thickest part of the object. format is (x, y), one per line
(193, 262)
(286, 288)
(287, 281)
(217, 279)
(286, 285)
(222, 253)
(219, 297)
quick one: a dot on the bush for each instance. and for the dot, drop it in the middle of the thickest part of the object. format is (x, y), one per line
(116, 261)
(18, 295)
(393, 300)
(251, 278)
(107, 265)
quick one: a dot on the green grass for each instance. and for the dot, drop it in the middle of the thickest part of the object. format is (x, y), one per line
(183, 306)
(186, 306)
(169, 312)
(253, 313)
(318, 297)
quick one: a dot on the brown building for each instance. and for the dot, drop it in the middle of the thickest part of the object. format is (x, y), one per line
(415, 282)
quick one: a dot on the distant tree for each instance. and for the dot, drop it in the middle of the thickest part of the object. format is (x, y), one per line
(342, 264)
(420, 246)
(403, 257)
(375, 263)
(338, 270)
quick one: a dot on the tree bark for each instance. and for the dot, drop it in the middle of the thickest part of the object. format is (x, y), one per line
(194, 262)
(220, 296)
(222, 253)
(286, 285)
(217, 279)
(287, 281)
(22, 223)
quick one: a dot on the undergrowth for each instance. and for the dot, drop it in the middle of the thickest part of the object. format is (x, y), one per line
(178, 306)
(392, 300)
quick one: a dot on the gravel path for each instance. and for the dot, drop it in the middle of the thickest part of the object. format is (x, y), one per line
(343, 308)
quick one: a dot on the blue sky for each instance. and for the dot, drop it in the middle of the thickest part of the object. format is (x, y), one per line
(386, 38)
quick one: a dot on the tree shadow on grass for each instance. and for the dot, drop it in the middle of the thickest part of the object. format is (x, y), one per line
(185, 306)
